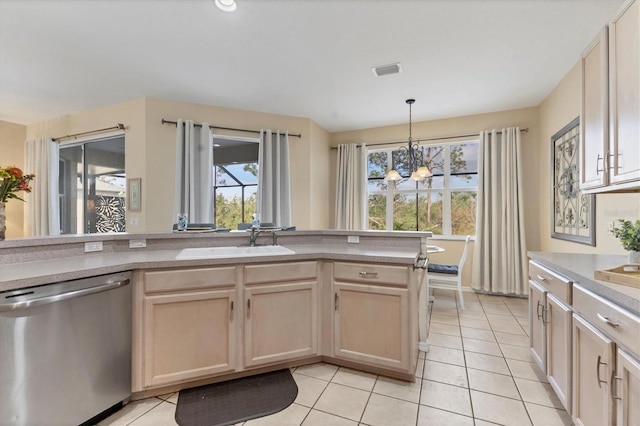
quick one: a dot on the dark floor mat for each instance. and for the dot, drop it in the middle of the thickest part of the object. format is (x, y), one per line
(235, 401)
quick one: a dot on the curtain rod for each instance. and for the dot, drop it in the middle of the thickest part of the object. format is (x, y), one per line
(118, 126)
(526, 129)
(175, 123)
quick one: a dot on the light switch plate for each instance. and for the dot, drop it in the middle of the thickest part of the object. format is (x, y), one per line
(95, 246)
(137, 243)
(354, 239)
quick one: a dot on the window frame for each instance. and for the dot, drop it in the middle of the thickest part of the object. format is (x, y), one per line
(446, 191)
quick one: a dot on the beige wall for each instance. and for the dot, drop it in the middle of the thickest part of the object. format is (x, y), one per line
(557, 110)
(150, 153)
(12, 137)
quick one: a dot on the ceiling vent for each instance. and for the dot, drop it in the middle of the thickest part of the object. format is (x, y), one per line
(387, 69)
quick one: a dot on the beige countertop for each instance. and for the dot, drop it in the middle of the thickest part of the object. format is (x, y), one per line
(66, 260)
(579, 268)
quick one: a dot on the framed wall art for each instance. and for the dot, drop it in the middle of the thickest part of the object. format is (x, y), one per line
(134, 194)
(573, 213)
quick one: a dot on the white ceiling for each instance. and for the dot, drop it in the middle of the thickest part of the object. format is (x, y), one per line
(307, 58)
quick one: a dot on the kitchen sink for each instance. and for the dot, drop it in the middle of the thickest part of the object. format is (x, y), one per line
(235, 251)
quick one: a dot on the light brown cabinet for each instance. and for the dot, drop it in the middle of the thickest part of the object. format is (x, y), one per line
(187, 325)
(559, 359)
(550, 328)
(610, 106)
(280, 323)
(371, 321)
(627, 389)
(188, 336)
(593, 357)
(371, 325)
(624, 95)
(538, 330)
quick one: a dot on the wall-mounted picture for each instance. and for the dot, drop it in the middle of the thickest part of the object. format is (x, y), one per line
(134, 194)
(572, 215)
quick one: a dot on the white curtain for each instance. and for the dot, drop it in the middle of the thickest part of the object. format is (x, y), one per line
(274, 187)
(351, 191)
(42, 210)
(194, 172)
(499, 255)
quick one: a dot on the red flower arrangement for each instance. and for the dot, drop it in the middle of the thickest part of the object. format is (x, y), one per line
(13, 180)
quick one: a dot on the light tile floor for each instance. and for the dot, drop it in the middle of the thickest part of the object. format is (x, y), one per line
(478, 371)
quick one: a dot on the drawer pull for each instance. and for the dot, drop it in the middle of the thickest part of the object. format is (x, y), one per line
(608, 321)
(540, 277)
(598, 371)
(335, 301)
(368, 274)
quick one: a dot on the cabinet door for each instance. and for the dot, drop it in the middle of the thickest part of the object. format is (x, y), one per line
(188, 335)
(593, 357)
(280, 323)
(627, 389)
(594, 123)
(558, 317)
(371, 325)
(624, 90)
(537, 327)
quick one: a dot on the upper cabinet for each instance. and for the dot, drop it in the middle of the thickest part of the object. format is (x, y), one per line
(610, 125)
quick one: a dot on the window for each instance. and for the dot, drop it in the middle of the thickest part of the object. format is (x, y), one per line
(444, 203)
(92, 186)
(235, 180)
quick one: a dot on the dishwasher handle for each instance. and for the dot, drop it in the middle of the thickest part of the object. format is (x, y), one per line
(24, 304)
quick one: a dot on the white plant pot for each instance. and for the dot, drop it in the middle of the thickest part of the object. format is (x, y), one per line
(634, 257)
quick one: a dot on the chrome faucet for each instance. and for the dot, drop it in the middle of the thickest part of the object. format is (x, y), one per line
(254, 236)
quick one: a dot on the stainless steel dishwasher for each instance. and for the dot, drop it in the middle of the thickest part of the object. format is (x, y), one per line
(65, 350)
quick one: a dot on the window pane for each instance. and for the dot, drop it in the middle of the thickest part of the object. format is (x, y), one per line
(377, 212)
(401, 162)
(228, 207)
(433, 157)
(464, 181)
(250, 203)
(222, 178)
(430, 212)
(404, 212)
(406, 185)
(377, 164)
(247, 173)
(463, 212)
(376, 185)
(433, 182)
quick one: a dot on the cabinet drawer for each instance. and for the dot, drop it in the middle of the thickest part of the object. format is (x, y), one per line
(277, 272)
(189, 279)
(621, 325)
(373, 274)
(555, 284)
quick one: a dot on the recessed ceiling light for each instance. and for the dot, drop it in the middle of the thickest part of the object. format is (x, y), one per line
(387, 69)
(226, 5)
(216, 145)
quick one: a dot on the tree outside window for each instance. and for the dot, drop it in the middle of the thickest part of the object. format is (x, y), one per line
(444, 203)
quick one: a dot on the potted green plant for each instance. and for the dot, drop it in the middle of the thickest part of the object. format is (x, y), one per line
(629, 235)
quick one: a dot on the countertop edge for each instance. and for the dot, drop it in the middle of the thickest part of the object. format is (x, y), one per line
(579, 269)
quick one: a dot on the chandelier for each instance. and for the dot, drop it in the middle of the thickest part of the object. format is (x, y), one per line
(414, 153)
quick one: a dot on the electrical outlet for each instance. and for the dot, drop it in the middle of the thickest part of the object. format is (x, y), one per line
(134, 222)
(354, 239)
(137, 243)
(96, 246)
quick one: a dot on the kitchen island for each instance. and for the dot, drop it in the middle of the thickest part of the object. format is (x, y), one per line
(203, 320)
